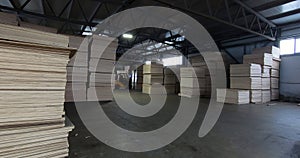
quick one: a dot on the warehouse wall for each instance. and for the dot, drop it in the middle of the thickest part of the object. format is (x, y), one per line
(290, 78)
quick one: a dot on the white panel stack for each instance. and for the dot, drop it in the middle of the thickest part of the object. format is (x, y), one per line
(77, 70)
(32, 88)
(170, 80)
(101, 81)
(275, 51)
(233, 96)
(247, 77)
(153, 78)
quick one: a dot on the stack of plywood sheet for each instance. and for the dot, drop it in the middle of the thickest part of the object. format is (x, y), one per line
(37, 27)
(274, 68)
(101, 69)
(233, 96)
(192, 81)
(153, 78)
(275, 77)
(170, 80)
(247, 77)
(265, 60)
(198, 61)
(32, 89)
(8, 19)
(139, 79)
(77, 70)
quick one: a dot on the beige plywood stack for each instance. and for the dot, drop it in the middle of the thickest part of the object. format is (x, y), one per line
(153, 78)
(77, 70)
(32, 88)
(101, 66)
(192, 81)
(274, 67)
(233, 96)
(247, 77)
(139, 79)
(170, 81)
(198, 61)
(37, 27)
(8, 19)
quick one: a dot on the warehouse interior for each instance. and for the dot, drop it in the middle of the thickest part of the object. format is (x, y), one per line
(63, 60)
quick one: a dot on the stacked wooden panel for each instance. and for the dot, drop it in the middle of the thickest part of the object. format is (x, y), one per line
(247, 77)
(153, 78)
(233, 96)
(192, 81)
(37, 27)
(8, 19)
(170, 81)
(139, 79)
(274, 68)
(77, 70)
(101, 69)
(198, 61)
(32, 88)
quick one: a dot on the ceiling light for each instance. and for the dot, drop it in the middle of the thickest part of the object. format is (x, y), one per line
(127, 35)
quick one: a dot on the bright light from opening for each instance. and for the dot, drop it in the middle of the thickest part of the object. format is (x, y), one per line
(148, 62)
(287, 46)
(172, 61)
(127, 35)
(87, 33)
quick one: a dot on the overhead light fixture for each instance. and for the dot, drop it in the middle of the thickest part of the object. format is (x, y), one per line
(169, 42)
(127, 35)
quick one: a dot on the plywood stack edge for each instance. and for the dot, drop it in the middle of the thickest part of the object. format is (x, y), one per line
(153, 78)
(32, 90)
(139, 80)
(101, 80)
(8, 19)
(170, 79)
(77, 70)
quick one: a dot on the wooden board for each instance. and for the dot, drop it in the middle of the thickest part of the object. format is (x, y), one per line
(245, 70)
(152, 89)
(193, 82)
(275, 73)
(8, 19)
(101, 66)
(248, 83)
(256, 96)
(37, 27)
(275, 51)
(16, 33)
(99, 94)
(233, 96)
(266, 96)
(274, 83)
(153, 69)
(192, 72)
(262, 59)
(276, 64)
(266, 83)
(152, 79)
(266, 72)
(274, 94)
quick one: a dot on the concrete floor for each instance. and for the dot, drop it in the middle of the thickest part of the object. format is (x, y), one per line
(248, 131)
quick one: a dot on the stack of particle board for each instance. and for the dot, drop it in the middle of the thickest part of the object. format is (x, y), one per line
(247, 77)
(274, 68)
(233, 96)
(192, 81)
(152, 78)
(8, 19)
(139, 79)
(77, 70)
(170, 80)
(32, 88)
(101, 69)
(37, 27)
